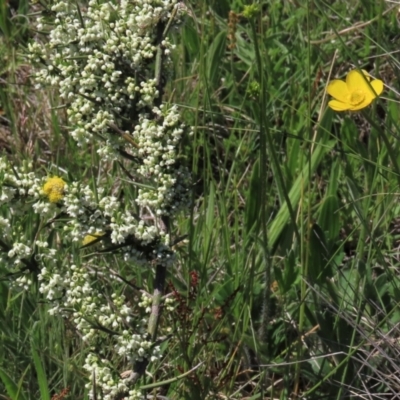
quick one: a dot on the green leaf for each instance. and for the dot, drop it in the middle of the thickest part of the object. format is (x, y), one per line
(190, 39)
(13, 389)
(287, 277)
(282, 217)
(215, 55)
(41, 375)
(333, 184)
(329, 217)
(319, 266)
(253, 197)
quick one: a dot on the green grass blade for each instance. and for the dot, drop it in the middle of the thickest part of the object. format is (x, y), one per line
(321, 148)
(41, 374)
(13, 389)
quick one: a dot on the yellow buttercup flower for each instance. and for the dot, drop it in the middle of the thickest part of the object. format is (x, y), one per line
(356, 93)
(54, 189)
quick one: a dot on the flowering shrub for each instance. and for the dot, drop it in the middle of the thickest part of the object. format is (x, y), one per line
(109, 62)
(76, 286)
(106, 64)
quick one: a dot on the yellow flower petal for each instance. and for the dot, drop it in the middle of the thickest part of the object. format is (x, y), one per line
(357, 80)
(337, 105)
(377, 85)
(338, 89)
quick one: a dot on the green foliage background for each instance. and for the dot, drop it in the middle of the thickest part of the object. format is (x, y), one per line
(288, 285)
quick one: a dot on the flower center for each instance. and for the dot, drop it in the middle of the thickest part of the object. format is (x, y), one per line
(356, 97)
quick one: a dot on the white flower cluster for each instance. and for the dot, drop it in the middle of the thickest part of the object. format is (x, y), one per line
(16, 182)
(110, 62)
(110, 384)
(158, 142)
(19, 251)
(93, 308)
(5, 226)
(80, 287)
(146, 302)
(16, 185)
(142, 240)
(104, 61)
